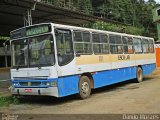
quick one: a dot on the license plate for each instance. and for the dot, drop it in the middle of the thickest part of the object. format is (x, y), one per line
(28, 90)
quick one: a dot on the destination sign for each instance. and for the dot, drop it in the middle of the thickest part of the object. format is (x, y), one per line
(37, 30)
(30, 31)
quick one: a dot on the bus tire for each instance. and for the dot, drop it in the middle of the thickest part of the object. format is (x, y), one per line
(84, 87)
(139, 75)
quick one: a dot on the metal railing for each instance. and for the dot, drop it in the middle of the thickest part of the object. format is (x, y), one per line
(59, 3)
(67, 4)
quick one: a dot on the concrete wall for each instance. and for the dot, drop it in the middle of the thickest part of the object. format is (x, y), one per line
(4, 73)
(4, 81)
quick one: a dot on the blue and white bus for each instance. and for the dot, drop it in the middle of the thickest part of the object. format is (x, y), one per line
(60, 60)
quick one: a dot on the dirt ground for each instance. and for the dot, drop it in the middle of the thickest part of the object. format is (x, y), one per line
(126, 97)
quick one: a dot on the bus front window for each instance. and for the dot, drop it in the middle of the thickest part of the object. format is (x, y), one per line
(33, 52)
(19, 53)
(41, 51)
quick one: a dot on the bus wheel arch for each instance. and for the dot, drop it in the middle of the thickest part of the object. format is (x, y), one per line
(139, 74)
(89, 75)
(85, 85)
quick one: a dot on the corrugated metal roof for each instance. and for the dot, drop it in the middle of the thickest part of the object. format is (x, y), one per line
(12, 12)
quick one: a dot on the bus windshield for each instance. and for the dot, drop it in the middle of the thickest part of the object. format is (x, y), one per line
(33, 51)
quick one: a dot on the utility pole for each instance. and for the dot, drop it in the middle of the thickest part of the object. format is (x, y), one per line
(28, 14)
(134, 12)
(28, 18)
(5, 51)
(6, 61)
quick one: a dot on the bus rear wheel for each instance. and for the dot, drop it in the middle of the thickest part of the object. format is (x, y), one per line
(139, 77)
(84, 87)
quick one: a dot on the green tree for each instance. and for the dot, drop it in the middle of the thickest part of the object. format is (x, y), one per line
(84, 6)
(134, 12)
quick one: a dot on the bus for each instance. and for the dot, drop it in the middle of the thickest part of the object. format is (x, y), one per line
(59, 60)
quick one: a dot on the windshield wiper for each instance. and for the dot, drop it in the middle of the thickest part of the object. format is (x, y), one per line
(17, 67)
(18, 63)
(39, 65)
(19, 60)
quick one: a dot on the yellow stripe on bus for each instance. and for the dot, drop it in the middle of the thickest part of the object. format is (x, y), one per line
(95, 59)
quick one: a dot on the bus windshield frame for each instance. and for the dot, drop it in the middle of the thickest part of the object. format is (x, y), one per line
(35, 51)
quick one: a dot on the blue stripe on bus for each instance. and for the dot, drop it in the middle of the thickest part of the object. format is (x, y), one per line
(113, 76)
(148, 69)
(69, 85)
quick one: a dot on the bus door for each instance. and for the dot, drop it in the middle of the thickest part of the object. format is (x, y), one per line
(65, 54)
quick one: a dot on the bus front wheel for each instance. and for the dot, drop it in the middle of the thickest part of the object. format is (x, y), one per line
(139, 74)
(84, 87)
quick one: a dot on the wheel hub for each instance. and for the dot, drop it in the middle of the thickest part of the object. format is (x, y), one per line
(139, 74)
(85, 87)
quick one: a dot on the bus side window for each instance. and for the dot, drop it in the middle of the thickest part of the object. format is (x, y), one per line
(137, 45)
(64, 46)
(96, 43)
(151, 46)
(105, 45)
(78, 42)
(82, 42)
(125, 44)
(116, 46)
(145, 45)
(128, 45)
(87, 42)
(100, 43)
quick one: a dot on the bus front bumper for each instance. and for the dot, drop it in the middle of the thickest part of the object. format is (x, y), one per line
(50, 91)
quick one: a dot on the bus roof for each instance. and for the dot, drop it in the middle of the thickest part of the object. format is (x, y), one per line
(84, 29)
(96, 30)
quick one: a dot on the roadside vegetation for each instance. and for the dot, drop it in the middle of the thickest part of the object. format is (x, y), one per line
(133, 16)
(7, 100)
(116, 28)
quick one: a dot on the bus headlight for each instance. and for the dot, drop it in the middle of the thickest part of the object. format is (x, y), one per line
(45, 83)
(48, 84)
(53, 83)
(15, 84)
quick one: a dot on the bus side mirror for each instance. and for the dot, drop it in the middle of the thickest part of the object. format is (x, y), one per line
(5, 46)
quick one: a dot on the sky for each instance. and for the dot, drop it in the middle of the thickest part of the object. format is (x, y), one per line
(158, 1)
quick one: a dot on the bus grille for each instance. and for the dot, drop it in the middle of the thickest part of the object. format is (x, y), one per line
(31, 78)
(30, 83)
